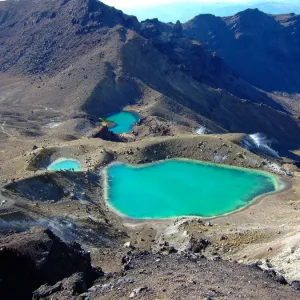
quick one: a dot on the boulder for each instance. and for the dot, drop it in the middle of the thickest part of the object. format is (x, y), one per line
(296, 285)
(198, 245)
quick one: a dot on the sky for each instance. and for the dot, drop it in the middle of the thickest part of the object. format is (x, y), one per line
(145, 3)
(184, 10)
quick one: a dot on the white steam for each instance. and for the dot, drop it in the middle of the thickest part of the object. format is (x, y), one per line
(53, 124)
(202, 130)
(260, 142)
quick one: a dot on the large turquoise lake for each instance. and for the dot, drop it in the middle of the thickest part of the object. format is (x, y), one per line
(175, 188)
(124, 121)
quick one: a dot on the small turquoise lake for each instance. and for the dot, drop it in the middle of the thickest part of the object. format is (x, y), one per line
(176, 188)
(65, 164)
(123, 121)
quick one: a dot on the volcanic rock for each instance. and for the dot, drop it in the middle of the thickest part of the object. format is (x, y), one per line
(37, 257)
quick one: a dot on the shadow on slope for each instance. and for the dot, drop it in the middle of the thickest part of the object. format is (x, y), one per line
(146, 64)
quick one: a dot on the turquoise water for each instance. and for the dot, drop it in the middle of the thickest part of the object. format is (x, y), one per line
(124, 121)
(65, 164)
(176, 188)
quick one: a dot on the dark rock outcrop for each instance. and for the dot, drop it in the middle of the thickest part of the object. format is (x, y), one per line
(198, 245)
(31, 259)
(67, 288)
(296, 285)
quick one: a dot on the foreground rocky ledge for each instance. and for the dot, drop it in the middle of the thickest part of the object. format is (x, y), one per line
(38, 265)
(31, 259)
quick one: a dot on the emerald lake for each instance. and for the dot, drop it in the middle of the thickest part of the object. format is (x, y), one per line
(123, 121)
(65, 164)
(175, 188)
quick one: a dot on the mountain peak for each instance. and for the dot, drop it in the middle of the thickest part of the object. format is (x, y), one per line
(251, 21)
(252, 14)
(251, 11)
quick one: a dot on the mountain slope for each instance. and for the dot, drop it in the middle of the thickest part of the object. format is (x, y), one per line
(47, 36)
(261, 48)
(205, 66)
(83, 59)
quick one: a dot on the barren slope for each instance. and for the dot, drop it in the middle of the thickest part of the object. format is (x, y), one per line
(93, 61)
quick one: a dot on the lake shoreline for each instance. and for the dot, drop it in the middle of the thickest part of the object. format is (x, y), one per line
(281, 185)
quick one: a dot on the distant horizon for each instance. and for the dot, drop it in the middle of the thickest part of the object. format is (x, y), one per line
(173, 10)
